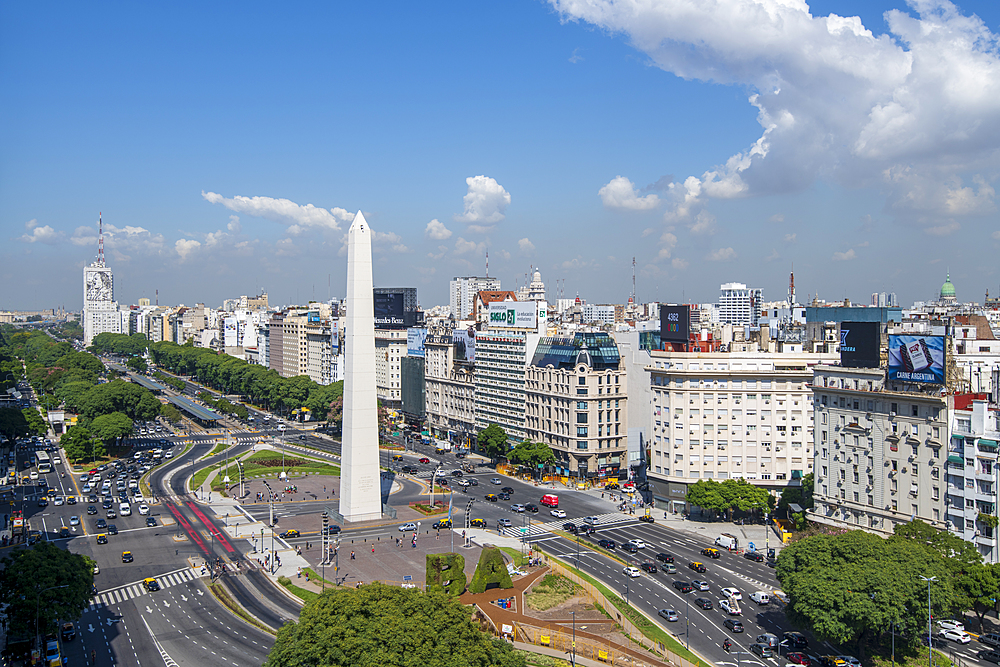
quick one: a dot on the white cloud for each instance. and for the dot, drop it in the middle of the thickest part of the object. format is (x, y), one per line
(649, 231)
(722, 255)
(503, 254)
(43, 234)
(299, 218)
(668, 242)
(914, 112)
(437, 231)
(526, 246)
(485, 202)
(121, 242)
(790, 238)
(388, 241)
(679, 264)
(576, 57)
(463, 247)
(945, 229)
(620, 192)
(84, 236)
(844, 256)
(777, 217)
(704, 223)
(442, 250)
(185, 247)
(773, 256)
(996, 236)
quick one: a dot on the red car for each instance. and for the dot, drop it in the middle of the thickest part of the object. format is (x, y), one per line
(425, 460)
(798, 658)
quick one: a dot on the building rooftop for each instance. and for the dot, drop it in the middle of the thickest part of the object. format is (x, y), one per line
(192, 408)
(597, 349)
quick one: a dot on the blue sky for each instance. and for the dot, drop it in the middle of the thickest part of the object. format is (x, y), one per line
(228, 145)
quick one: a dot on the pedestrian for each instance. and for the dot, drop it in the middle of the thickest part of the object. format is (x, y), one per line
(373, 548)
(352, 555)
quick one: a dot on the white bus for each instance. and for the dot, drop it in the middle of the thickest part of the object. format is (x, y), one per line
(43, 462)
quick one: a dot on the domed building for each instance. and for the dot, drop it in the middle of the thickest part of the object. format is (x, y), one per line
(948, 291)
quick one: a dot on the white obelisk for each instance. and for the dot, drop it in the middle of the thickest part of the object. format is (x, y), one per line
(360, 488)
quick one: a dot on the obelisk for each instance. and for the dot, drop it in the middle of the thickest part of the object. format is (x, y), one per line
(360, 488)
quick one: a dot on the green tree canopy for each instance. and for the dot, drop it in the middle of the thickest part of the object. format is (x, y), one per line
(111, 426)
(78, 443)
(798, 495)
(531, 454)
(36, 423)
(413, 629)
(26, 575)
(492, 441)
(13, 424)
(169, 411)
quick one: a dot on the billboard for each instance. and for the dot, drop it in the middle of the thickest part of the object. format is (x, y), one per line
(860, 344)
(389, 311)
(465, 345)
(674, 324)
(415, 342)
(916, 359)
(513, 315)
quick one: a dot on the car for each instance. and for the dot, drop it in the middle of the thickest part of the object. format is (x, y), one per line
(951, 624)
(150, 521)
(151, 584)
(698, 567)
(794, 640)
(710, 552)
(332, 529)
(101, 524)
(144, 509)
(442, 524)
(638, 543)
(990, 639)
(798, 658)
(704, 603)
(631, 571)
(74, 521)
(850, 660)
(33, 474)
(288, 533)
(733, 625)
(989, 656)
(559, 514)
(533, 509)
(665, 558)
(504, 496)
(408, 470)
(43, 502)
(629, 547)
(407, 527)
(496, 480)
(87, 488)
(57, 500)
(732, 594)
(102, 539)
(611, 486)
(683, 586)
(700, 585)
(958, 636)
(68, 632)
(457, 473)
(71, 500)
(670, 615)
(92, 498)
(112, 514)
(729, 607)
(424, 459)
(936, 642)
(475, 482)
(649, 566)
(763, 650)
(517, 507)
(754, 556)
(127, 557)
(491, 497)
(606, 544)
(503, 523)
(648, 518)
(570, 527)
(507, 489)
(112, 529)
(477, 523)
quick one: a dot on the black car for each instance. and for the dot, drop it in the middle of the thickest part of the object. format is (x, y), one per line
(101, 524)
(332, 529)
(408, 470)
(733, 625)
(475, 482)
(91, 509)
(683, 586)
(460, 455)
(570, 528)
(989, 656)
(504, 496)
(649, 567)
(456, 473)
(665, 558)
(629, 547)
(606, 544)
(112, 514)
(107, 504)
(92, 498)
(112, 529)
(507, 489)
(704, 603)
(443, 481)
(150, 521)
(795, 641)
(754, 556)
(531, 508)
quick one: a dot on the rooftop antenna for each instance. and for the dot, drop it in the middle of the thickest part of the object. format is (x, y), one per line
(791, 287)
(100, 239)
(633, 279)
(157, 297)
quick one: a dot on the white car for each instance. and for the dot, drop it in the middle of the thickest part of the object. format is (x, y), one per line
(169, 455)
(732, 594)
(57, 461)
(700, 585)
(33, 474)
(639, 544)
(956, 636)
(949, 624)
(144, 509)
(57, 500)
(559, 514)
(497, 481)
(85, 478)
(730, 608)
(760, 597)
(407, 526)
(631, 571)
(74, 521)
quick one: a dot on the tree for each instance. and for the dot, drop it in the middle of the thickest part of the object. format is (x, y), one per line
(707, 494)
(414, 629)
(532, 454)
(170, 412)
(29, 581)
(111, 427)
(137, 364)
(958, 553)
(492, 441)
(36, 424)
(78, 443)
(13, 424)
(981, 586)
(798, 495)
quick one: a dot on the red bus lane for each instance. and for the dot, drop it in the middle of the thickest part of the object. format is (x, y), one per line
(219, 535)
(186, 525)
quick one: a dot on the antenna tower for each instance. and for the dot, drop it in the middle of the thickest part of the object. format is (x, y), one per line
(100, 239)
(791, 288)
(487, 263)
(633, 279)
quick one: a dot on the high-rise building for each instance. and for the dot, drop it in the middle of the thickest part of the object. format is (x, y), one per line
(100, 311)
(462, 293)
(739, 304)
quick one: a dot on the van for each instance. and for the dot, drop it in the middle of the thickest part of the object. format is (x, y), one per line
(760, 597)
(727, 541)
(768, 639)
(550, 500)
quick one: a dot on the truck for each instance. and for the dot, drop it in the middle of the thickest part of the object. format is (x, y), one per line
(550, 500)
(727, 541)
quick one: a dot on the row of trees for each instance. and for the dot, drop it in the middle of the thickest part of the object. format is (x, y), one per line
(852, 587)
(493, 442)
(223, 405)
(732, 494)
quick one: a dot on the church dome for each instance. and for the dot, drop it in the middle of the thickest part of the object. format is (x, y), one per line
(948, 289)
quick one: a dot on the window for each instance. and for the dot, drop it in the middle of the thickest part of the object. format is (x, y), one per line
(915, 410)
(582, 391)
(581, 405)
(582, 380)
(871, 500)
(581, 431)
(581, 444)
(581, 418)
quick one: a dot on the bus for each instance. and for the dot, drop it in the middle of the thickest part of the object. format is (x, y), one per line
(43, 462)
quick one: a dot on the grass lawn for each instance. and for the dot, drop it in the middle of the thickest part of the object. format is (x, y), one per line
(307, 596)
(515, 556)
(551, 591)
(266, 463)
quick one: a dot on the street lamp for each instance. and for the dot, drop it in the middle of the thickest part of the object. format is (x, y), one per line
(687, 619)
(326, 529)
(281, 429)
(626, 593)
(37, 600)
(930, 636)
(573, 645)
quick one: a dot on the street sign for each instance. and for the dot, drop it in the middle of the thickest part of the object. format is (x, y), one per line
(751, 546)
(407, 577)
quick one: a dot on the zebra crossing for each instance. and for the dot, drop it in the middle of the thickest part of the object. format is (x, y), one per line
(539, 529)
(131, 591)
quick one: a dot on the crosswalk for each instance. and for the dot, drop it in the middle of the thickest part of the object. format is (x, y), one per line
(131, 591)
(536, 530)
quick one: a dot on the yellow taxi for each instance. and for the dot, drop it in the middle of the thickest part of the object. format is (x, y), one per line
(711, 553)
(102, 538)
(492, 497)
(397, 457)
(478, 523)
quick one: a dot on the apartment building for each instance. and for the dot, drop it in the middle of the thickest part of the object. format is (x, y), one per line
(971, 472)
(576, 401)
(298, 342)
(390, 347)
(729, 415)
(880, 453)
(449, 388)
(462, 293)
(502, 359)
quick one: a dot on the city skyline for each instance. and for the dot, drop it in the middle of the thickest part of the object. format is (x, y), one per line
(229, 154)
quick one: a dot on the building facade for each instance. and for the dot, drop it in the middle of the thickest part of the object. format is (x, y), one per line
(971, 471)
(462, 293)
(739, 304)
(502, 359)
(100, 310)
(390, 347)
(450, 389)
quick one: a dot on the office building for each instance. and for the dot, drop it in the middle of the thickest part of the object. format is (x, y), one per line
(739, 304)
(449, 385)
(100, 310)
(462, 292)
